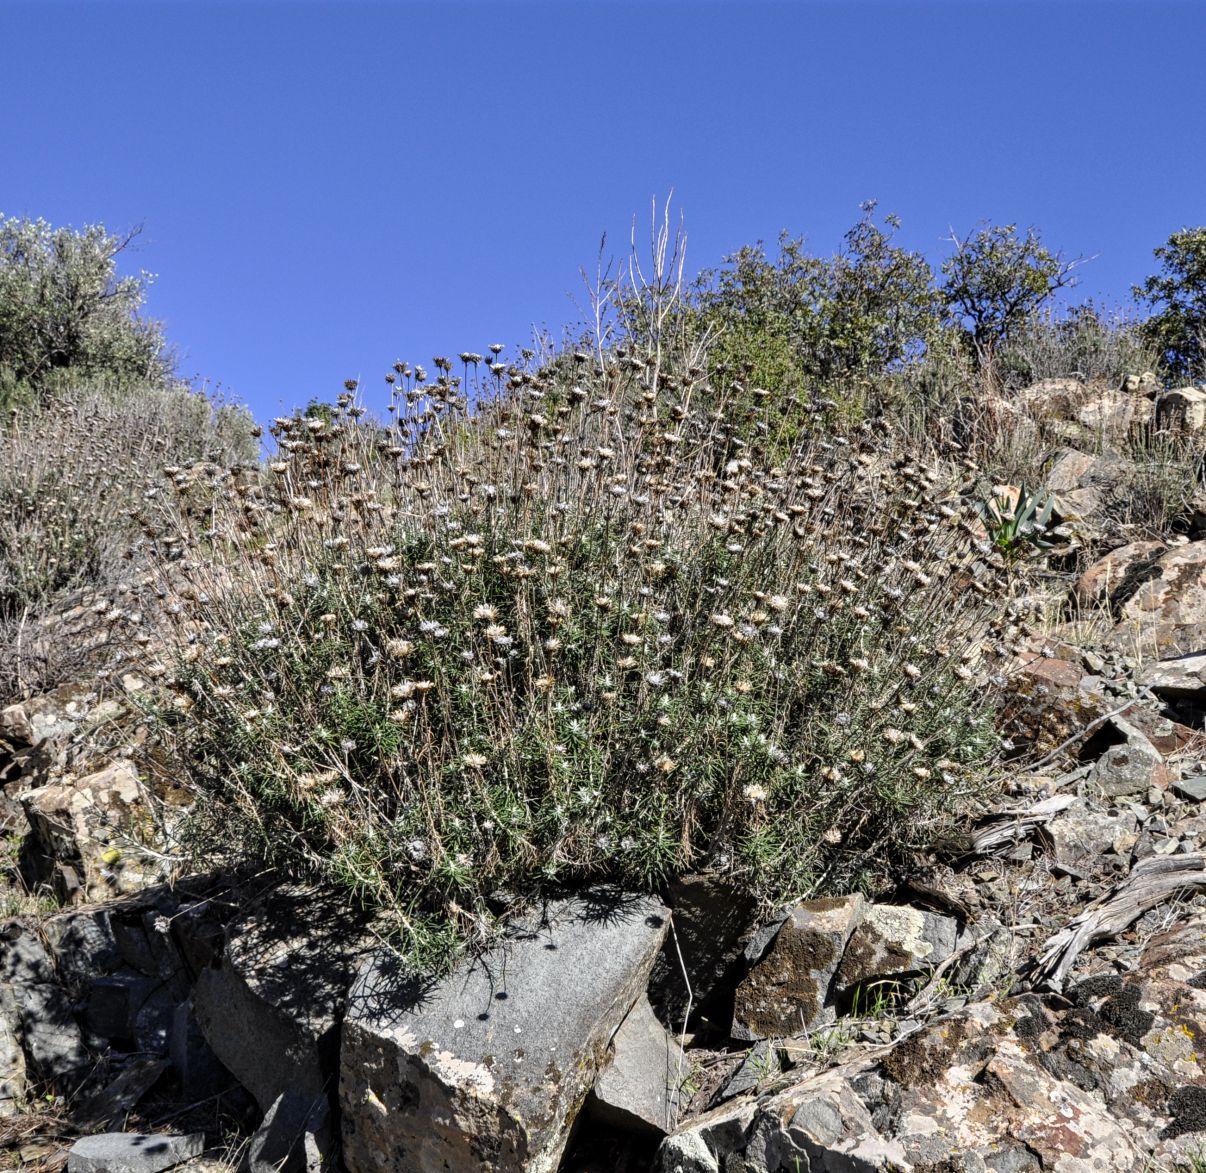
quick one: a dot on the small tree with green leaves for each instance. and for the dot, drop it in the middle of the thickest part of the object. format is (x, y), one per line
(64, 310)
(803, 318)
(996, 280)
(1177, 295)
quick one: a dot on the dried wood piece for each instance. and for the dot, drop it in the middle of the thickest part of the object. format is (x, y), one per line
(1152, 882)
(1010, 826)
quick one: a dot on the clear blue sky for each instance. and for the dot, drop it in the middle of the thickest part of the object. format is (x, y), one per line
(326, 187)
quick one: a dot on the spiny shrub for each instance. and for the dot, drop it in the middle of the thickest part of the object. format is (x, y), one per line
(72, 470)
(585, 633)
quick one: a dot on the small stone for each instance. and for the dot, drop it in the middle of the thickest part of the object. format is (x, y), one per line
(132, 1152)
(635, 1092)
(761, 1061)
(1193, 789)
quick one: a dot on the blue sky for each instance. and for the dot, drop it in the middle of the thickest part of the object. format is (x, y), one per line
(325, 187)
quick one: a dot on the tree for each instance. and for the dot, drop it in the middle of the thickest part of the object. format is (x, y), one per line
(1177, 294)
(65, 309)
(801, 317)
(996, 280)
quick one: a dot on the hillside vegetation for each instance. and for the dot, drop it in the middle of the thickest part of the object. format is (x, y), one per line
(722, 584)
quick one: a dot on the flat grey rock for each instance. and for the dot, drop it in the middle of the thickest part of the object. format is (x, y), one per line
(1193, 789)
(132, 1152)
(487, 1068)
(636, 1091)
(295, 1136)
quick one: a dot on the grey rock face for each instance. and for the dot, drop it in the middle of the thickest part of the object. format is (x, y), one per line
(36, 1009)
(295, 1136)
(132, 1152)
(636, 1091)
(787, 990)
(487, 1069)
(269, 1010)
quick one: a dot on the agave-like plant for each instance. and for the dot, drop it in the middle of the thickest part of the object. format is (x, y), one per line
(1017, 527)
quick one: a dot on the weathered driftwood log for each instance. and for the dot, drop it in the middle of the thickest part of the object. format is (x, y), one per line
(1011, 826)
(1152, 881)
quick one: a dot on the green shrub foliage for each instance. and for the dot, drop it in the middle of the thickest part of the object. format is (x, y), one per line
(588, 633)
(66, 314)
(1177, 297)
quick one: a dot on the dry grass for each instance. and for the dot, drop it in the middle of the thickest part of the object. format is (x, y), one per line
(72, 473)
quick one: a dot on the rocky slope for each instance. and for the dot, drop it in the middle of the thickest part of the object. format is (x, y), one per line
(1031, 997)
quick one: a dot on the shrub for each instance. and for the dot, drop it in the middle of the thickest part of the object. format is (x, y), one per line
(995, 282)
(806, 322)
(1086, 343)
(64, 309)
(587, 634)
(1177, 295)
(71, 472)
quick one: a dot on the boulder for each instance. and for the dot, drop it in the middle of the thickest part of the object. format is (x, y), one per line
(1086, 830)
(1178, 678)
(15, 725)
(83, 944)
(1191, 789)
(709, 926)
(132, 1152)
(115, 1001)
(1145, 384)
(1117, 575)
(638, 1090)
(787, 987)
(893, 942)
(1114, 413)
(1070, 467)
(196, 1067)
(270, 1008)
(1166, 614)
(91, 827)
(1182, 410)
(487, 1068)
(109, 1106)
(12, 1068)
(1130, 768)
(36, 1010)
